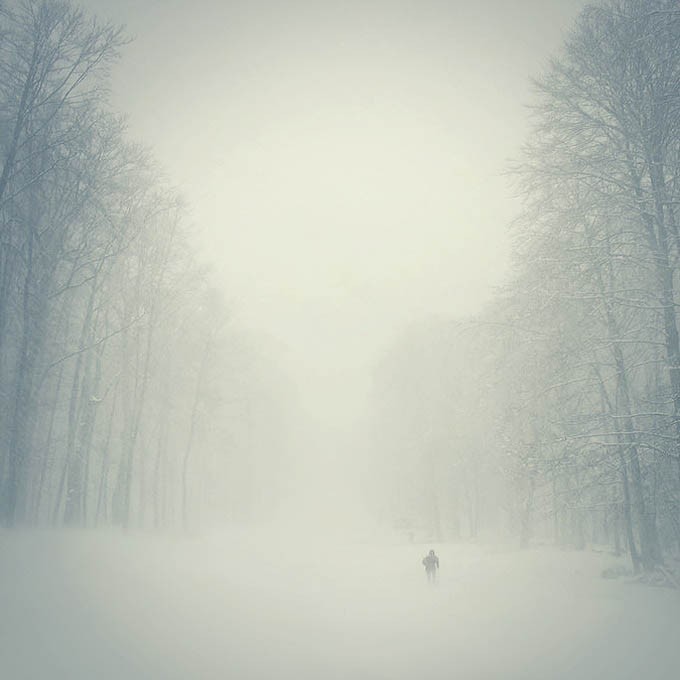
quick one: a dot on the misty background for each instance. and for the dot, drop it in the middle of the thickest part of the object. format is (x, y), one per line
(339, 339)
(345, 166)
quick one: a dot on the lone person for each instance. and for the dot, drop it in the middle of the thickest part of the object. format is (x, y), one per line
(431, 564)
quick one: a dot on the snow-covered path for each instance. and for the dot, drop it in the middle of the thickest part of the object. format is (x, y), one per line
(86, 606)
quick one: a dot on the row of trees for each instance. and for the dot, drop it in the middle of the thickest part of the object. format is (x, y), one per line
(124, 387)
(572, 379)
(429, 422)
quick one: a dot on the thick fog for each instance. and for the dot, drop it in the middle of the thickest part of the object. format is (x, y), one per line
(339, 339)
(345, 165)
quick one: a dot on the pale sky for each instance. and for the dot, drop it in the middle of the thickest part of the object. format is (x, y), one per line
(342, 159)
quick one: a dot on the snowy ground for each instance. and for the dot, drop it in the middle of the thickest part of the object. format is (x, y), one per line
(86, 606)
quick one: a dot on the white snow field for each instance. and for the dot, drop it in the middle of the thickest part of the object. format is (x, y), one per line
(236, 606)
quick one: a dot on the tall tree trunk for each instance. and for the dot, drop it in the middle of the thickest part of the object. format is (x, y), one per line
(77, 406)
(47, 449)
(102, 499)
(23, 416)
(192, 430)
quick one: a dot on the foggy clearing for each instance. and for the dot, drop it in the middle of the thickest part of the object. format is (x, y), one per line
(339, 339)
(255, 605)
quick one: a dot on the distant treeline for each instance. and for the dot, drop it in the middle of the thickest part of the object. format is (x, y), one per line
(556, 413)
(123, 388)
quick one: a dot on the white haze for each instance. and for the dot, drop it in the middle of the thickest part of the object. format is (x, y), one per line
(256, 606)
(344, 163)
